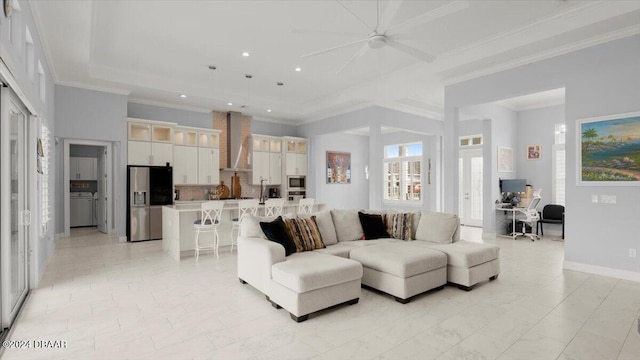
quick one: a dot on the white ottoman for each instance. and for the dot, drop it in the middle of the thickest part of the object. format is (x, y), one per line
(400, 270)
(309, 281)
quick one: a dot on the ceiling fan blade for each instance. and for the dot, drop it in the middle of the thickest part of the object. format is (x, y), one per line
(409, 50)
(389, 13)
(325, 32)
(362, 50)
(334, 48)
(355, 16)
(442, 11)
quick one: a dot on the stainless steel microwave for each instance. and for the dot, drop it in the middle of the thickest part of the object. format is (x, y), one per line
(296, 182)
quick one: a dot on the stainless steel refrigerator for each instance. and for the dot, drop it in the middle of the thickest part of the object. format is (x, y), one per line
(149, 188)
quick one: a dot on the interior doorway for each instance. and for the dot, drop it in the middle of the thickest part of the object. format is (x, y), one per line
(89, 186)
(470, 176)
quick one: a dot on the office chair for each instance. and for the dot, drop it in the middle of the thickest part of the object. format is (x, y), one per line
(532, 216)
(551, 214)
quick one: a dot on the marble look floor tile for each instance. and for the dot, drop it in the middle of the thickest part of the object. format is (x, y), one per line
(364, 347)
(478, 347)
(588, 346)
(541, 348)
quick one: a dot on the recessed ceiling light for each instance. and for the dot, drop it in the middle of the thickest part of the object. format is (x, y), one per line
(245, 54)
(183, 95)
(298, 69)
(268, 110)
(229, 103)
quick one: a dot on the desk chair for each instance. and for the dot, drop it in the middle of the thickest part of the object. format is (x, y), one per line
(245, 207)
(531, 216)
(210, 213)
(305, 206)
(273, 207)
(551, 214)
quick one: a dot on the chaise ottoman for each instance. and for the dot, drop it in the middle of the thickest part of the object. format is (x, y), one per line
(400, 270)
(309, 281)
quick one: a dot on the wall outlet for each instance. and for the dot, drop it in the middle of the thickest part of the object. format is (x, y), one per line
(632, 253)
(594, 198)
(608, 199)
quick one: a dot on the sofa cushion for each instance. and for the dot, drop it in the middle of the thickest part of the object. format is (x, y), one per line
(398, 225)
(399, 259)
(325, 225)
(463, 254)
(347, 224)
(363, 243)
(277, 231)
(437, 227)
(337, 250)
(373, 226)
(303, 272)
(305, 233)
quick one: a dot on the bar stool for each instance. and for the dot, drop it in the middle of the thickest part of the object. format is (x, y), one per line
(305, 206)
(273, 207)
(245, 207)
(210, 213)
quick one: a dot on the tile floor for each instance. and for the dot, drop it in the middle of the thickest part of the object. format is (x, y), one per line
(110, 300)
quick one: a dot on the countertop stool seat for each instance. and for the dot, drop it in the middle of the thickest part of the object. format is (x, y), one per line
(402, 271)
(210, 213)
(245, 207)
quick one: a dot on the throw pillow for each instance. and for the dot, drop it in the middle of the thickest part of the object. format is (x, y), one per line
(325, 225)
(437, 227)
(277, 232)
(373, 226)
(305, 234)
(347, 224)
(398, 225)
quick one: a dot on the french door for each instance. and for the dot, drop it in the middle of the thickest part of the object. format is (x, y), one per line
(14, 213)
(470, 185)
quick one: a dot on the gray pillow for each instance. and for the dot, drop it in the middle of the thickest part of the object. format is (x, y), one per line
(325, 225)
(347, 224)
(437, 227)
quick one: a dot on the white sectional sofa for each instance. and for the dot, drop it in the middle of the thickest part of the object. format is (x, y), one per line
(306, 282)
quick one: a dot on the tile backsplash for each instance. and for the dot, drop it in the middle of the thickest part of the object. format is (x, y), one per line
(199, 192)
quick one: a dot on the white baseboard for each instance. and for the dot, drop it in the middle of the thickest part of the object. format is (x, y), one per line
(488, 235)
(602, 270)
(122, 239)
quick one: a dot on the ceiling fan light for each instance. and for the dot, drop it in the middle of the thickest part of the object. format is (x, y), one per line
(377, 41)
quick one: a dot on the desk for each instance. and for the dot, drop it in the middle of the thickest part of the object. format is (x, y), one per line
(514, 212)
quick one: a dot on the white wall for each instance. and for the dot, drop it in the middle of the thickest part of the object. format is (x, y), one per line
(373, 118)
(600, 80)
(345, 196)
(200, 119)
(93, 115)
(272, 128)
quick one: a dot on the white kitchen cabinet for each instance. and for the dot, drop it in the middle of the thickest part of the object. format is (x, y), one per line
(150, 142)
(266, 160)
(259, 167)
(139, 153)
(81, 168)
(208, 166)
(275, 168)
(295, 156)
(161, 154)
(185, 168)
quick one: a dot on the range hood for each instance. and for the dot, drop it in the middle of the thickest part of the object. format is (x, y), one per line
(236, 143)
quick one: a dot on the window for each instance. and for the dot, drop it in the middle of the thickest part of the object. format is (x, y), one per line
(470, 140)
(403, 173)
(558, 172)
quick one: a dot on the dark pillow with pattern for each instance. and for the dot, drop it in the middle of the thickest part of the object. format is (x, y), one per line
(305, 233)
(277, 232)
(373, 226)
(398, 225)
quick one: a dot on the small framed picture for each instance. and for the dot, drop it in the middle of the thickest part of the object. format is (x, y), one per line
(533, 152)
(505, 159)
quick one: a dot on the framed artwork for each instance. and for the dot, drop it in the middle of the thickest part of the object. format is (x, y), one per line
(533, 152)
(608, 150)
(505, 159)
(338, 167)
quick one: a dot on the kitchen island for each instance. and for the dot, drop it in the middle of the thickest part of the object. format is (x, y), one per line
(178, 233)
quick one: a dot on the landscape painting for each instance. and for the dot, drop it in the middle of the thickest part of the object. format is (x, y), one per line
(609, 150)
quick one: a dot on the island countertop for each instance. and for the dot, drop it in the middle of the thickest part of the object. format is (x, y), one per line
(178, 233)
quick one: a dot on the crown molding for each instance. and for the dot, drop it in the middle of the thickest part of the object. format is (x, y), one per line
(171, 106)
(276, 121)
(615, 35)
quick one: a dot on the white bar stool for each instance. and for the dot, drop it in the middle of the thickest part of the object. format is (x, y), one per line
(273, 207)
(210, 213)
(305, 206)
(245, 207)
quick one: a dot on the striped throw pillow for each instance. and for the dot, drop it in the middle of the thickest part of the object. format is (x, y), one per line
(305, 233)
(398, 225)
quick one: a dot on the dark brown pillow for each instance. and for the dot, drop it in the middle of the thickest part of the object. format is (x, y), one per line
(277, 232)
(373, 226)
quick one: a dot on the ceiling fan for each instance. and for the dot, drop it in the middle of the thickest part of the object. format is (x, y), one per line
(384, 34)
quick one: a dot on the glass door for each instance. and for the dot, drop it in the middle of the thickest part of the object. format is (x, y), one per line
(16, 218)
(470, 185)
